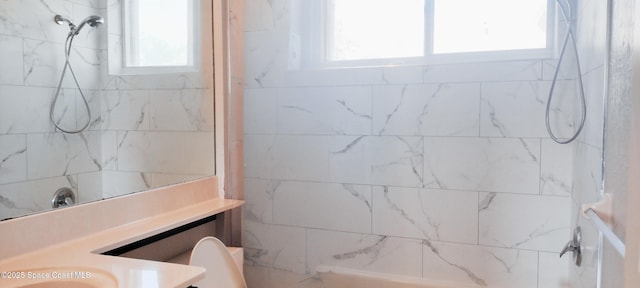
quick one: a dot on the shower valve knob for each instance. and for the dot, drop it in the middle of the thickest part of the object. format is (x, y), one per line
(574, 246)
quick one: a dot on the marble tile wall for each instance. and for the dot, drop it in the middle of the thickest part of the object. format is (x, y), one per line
(36, 160)
(146, 131)
(588, 149)
(442, 172)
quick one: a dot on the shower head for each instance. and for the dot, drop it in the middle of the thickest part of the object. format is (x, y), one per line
(93, 21)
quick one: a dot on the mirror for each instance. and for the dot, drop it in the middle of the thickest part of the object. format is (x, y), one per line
(145, 131)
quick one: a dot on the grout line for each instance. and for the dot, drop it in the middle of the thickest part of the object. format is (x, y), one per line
(478, 215)
(400, 186)
(480, 86)
(540, 186)
(306, 249)
(422, 260)
(372, 209)
(538, 272)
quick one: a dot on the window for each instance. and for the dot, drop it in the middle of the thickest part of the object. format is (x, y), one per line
(489, 25)
(369, 35)
(159, 36)
(426, 31)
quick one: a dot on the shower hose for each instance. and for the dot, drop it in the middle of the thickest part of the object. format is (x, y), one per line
(67, 65)
(568, 36)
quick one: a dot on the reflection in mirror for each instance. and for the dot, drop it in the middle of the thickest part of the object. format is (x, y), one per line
(158, 32)
(145, 131)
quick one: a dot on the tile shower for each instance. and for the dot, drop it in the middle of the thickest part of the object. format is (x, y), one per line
(135, 118)
(342, 168)
(442, 172)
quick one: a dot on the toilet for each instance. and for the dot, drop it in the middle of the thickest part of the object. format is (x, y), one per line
(222, 270)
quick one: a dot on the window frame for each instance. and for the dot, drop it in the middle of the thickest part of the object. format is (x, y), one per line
(314, 44)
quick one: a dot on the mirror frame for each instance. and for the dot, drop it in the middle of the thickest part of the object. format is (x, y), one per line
(228, 62)
(227, 70)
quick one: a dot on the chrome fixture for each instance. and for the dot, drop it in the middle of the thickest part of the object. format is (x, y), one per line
(93, 21)
(63, 197)
(574, 246)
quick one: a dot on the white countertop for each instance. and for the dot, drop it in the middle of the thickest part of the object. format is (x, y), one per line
(84, 253)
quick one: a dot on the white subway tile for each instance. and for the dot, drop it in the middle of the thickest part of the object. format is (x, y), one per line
(481, 266)
(514, 109)
(427, 110)
(91, 3)
(287, 157)
(274, 246)
(156, 81)
(13, 155)
(182, 152)
(441, 215)
(335, 110)
(381, 160)
(555, 168)
(181, 110)
(43, 64)
(11, 59)
(122, 110)
(335, 77)
(26, 109)
(342, 207)
(587, 173)
(58, 154)
(109, 150)
(361, 251)
(524, 221)
(592, 133)
(90, 187)
(117, 183)
(259, 15)
(258, 197)
(265, 59)
(403, 74)
(482, 164)
(591, 34)
(33, 19)
(553, 271)
(17, 199)
(164, 179)
(483, 72)
(260, 111)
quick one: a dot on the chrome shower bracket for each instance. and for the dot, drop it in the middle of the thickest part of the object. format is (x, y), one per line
(61, 20)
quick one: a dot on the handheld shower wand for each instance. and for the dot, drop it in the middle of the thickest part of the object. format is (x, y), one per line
(93, 21)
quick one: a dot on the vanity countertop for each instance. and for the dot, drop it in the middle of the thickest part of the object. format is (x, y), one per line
(82, 255)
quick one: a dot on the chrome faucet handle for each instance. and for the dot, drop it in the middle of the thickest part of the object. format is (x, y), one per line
(63, 197)
(570, 246)
(68, 201)
(574, 246)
